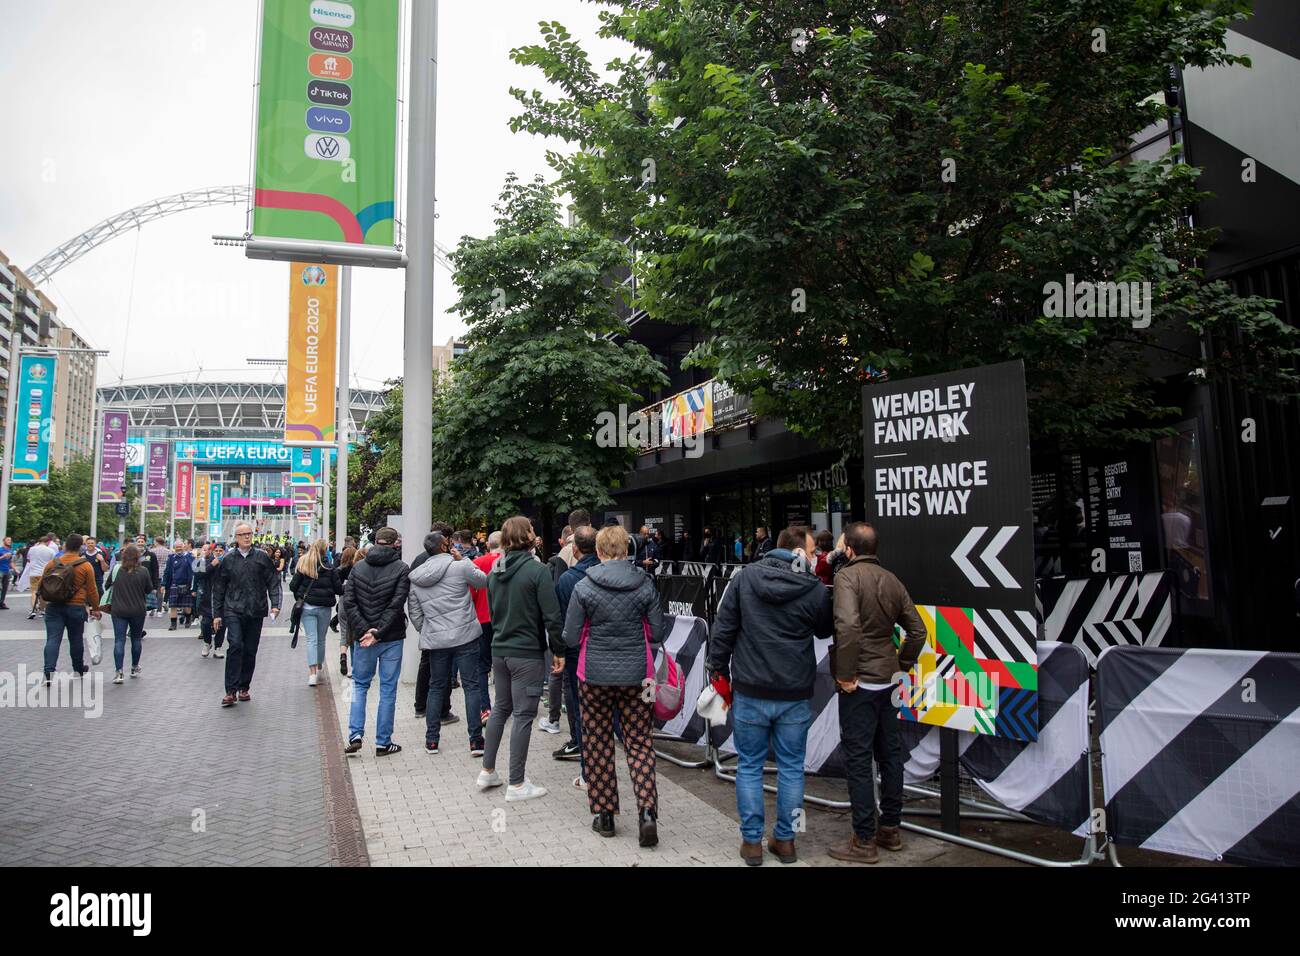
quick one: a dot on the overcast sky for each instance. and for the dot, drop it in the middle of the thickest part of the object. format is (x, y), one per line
(110, 105)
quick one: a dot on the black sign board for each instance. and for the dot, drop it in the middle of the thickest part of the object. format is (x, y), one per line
(728, 404)
(947, 476)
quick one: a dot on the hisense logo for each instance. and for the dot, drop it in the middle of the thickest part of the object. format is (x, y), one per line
(77, 909)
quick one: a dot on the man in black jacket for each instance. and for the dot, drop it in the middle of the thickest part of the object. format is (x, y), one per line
(374, 602)
(762, 642)
(243, 584)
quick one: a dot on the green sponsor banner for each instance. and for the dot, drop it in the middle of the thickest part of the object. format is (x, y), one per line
(326, 166)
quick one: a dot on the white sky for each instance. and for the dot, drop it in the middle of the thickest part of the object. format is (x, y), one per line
(111, 104)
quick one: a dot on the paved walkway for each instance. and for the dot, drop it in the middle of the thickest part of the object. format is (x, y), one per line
(155, 772)
(163, 775)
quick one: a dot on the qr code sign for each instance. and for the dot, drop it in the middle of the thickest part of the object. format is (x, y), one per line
(1135, 560)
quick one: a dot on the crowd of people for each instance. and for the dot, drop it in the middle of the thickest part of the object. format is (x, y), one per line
(511, 631)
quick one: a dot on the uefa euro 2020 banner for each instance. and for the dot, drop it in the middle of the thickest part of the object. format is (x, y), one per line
(112, 469)
(308, 466)
(158, 458)
(326, 166)
(202, 497)
(183, 490)
(309, 398)
(34, 425)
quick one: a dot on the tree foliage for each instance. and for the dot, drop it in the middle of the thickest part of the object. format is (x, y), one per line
(63, 506)
(914, 173)
(516, 421)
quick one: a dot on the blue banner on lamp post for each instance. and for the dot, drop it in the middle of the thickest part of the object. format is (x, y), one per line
(34, 424)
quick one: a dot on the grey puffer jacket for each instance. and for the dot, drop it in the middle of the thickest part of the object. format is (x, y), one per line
(617, 599)
(440, 605)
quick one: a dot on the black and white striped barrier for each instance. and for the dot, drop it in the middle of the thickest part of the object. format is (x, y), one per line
(1200, 752)
(1107, 611)
(688, 643)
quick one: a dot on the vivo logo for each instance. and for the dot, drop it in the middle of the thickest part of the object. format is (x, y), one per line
(330, 14)
(324, 120)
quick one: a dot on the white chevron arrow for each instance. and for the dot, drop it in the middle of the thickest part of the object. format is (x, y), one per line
(963, 549)
(990, 556)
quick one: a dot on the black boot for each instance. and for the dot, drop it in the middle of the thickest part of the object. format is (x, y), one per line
(649, 828)
(603, 823)
(173, 627)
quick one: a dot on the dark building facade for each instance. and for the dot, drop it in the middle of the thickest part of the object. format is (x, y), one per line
(1213, 505)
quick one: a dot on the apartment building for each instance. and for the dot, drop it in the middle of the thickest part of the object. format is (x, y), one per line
(29, 320)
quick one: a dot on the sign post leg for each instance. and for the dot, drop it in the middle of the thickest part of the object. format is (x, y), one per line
(949, 783)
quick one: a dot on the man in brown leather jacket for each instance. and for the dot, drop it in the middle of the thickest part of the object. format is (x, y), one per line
(869, 602)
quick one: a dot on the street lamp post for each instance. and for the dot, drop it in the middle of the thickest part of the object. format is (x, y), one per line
(417, 381)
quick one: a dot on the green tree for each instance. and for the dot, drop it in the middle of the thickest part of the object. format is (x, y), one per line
(375, 473)
(841, 186)
(517, 422)
(60, 507)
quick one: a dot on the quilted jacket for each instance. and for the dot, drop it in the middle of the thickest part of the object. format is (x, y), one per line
(441, 606)
(375, 595)
(616, 599)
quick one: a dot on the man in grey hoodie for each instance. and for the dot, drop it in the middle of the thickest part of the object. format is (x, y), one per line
(442, 610)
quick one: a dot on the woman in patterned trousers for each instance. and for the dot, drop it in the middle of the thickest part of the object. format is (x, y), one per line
(613, 616)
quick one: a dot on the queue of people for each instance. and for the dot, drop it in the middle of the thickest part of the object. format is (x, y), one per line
(507, 629)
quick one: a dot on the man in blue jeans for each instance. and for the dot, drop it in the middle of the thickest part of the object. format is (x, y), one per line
(584, 550)
(762, 643)
(374, 602)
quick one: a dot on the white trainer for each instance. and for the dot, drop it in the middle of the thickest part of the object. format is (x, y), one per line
(487, 781)
(312, 681)
(117, 679)
(525, 791)
(549, 726)
(207, 649)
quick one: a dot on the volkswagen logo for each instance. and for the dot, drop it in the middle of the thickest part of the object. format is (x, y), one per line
(327, 147)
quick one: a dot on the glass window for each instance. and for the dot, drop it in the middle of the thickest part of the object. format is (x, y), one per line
(1183, 527)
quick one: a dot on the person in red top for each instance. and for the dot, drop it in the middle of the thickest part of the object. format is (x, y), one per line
(484, 564)
(825, 545)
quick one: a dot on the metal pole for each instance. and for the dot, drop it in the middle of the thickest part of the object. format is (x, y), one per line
(325, 494)
(949, 782)
(345, 412)
(11, 409)
(417, 380)
(97, 436)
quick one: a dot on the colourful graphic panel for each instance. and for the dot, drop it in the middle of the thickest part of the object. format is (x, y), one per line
(972, 674)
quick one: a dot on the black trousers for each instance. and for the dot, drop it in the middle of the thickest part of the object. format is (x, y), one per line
(422, 687)
(869, 727)
(243, 635)
(4, 587)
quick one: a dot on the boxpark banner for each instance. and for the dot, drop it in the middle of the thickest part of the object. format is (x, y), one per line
(159, 457)
(948, 488)
(310, 392)
(112, 468)
(326, 154)
(183, 490)
(34, 424)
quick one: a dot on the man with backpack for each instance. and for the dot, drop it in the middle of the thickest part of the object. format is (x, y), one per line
(67, 587)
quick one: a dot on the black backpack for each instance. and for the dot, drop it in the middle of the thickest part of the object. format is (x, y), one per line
(59, 582)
